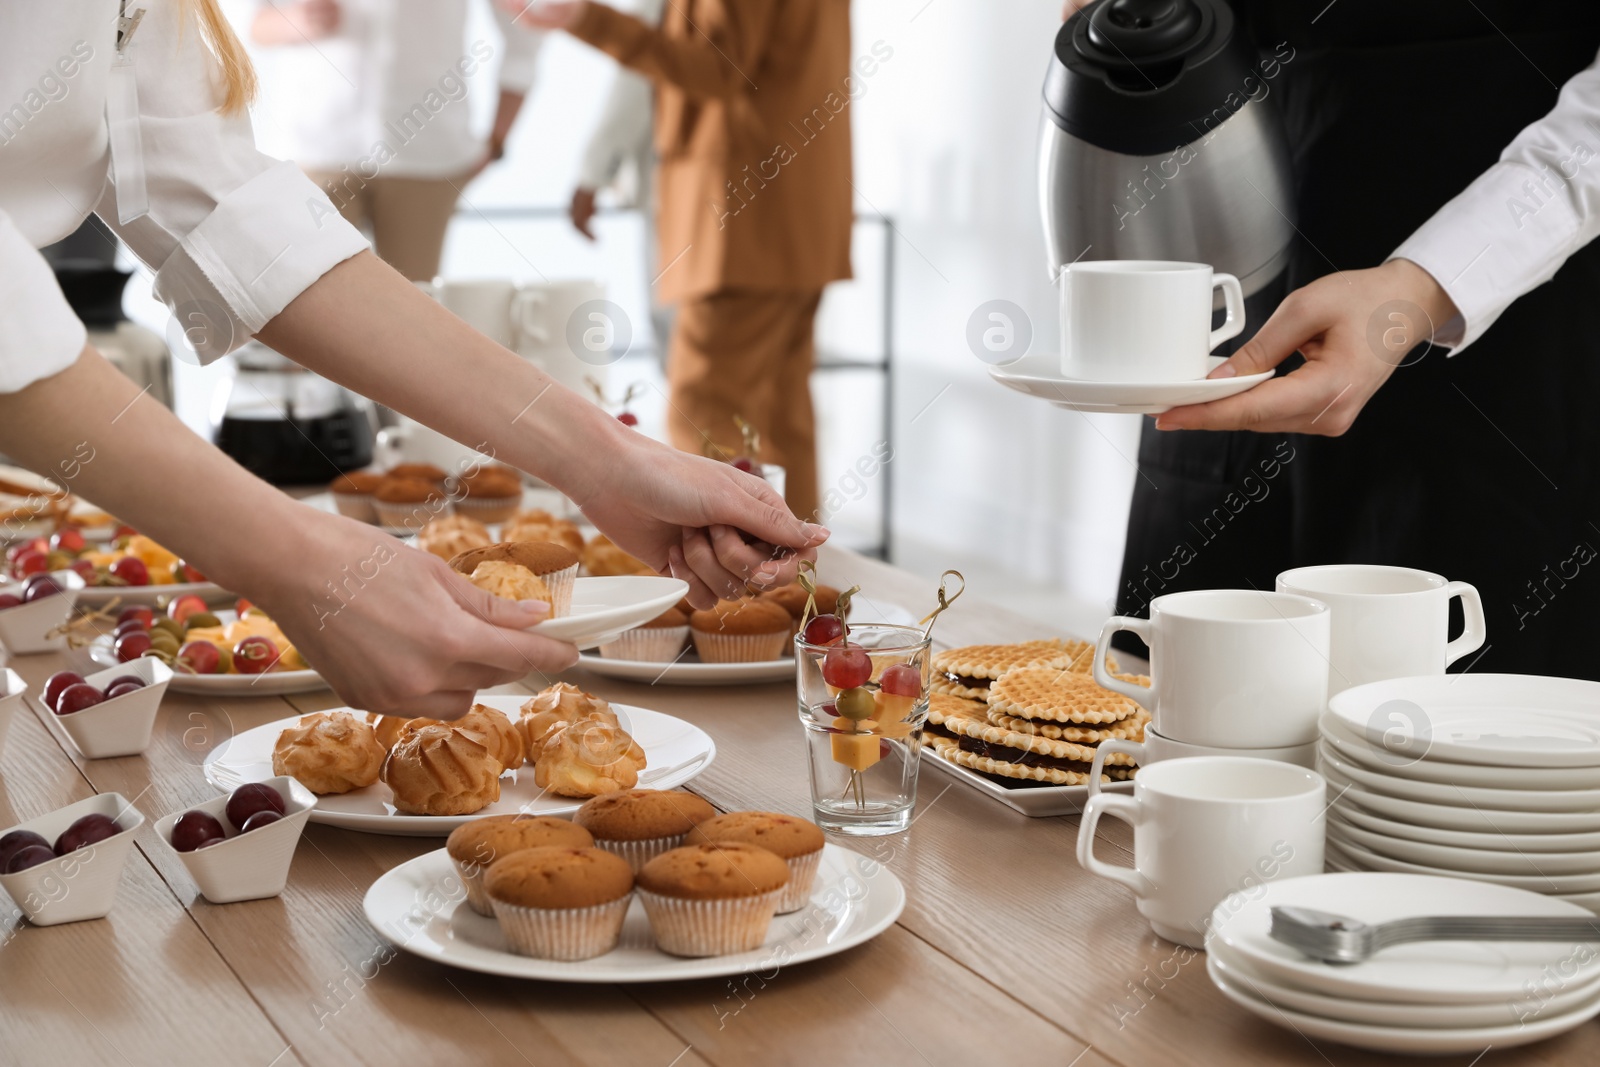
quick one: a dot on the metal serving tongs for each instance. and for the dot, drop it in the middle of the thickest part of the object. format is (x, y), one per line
(1340, 939)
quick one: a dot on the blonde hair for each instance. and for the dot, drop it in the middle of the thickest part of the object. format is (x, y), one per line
(238, 76)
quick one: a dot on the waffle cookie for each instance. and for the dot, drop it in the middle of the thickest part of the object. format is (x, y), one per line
(969, 671)
(1129, 729)
(977, 756)
(1045, 694)
(1033, 749)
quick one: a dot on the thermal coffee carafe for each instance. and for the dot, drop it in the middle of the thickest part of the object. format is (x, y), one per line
(1160, 140)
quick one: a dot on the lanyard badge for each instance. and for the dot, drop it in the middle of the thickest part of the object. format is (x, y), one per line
(122, 122)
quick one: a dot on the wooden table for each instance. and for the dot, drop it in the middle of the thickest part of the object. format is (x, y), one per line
(1007, 952)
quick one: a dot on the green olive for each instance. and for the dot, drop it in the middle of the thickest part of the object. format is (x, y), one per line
(201, 618)
(162, 639)
(855, 704)
(163, 624)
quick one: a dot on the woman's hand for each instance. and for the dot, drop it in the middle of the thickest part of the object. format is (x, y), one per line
(295, 23)
(683, 513)
(393, 629)
(544, 14)
(1354, 328)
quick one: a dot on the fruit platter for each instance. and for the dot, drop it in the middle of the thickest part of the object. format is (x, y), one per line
(239, 652)
(131, 567)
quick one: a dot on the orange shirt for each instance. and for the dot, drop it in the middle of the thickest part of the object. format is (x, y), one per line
(753, 134)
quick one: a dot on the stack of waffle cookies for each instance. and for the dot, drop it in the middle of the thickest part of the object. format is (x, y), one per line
(1030, 714)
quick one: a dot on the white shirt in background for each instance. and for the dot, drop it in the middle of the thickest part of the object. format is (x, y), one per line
(619, 149)
(232, 235)
(395, 73)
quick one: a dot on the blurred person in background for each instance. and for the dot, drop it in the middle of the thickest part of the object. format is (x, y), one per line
(370, 98)
(752, 121)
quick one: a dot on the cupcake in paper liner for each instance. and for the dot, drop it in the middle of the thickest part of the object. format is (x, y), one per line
(798, 842)
(488, 493)
(741, 631)
(352, 494)
(658, 641)
(712, 899)
(554, 566)
(641, 824)
(557, 903)
(473, 847)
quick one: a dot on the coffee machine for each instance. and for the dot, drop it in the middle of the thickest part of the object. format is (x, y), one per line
(1160, 139)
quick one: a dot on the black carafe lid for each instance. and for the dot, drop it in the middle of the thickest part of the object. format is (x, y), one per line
(1143, 77)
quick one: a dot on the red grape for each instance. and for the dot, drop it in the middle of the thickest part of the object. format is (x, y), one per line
(31, 856)
(68, 539)
(131, 571)
(122, 531)
(744, 463)
(199, 657)
(252, 799)
(195, 828)
(56, 684)
(846, 666)
(123, 686)
(38, 544)
(132, 626)
(85, 832)
(824, 630)
(628, 418)
(255, 655)
(184, 606)
(16, 841)
(132, 646)
(83, 569)
(211, 841)
(30, 561)
(9, 601)
(75, 698)
(901, 680)
(39, 586)
(187, 572)
(831, 708)
(258, 820)
(141, 613)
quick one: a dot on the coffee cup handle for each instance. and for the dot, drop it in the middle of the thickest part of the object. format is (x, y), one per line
(1233, 297)
(1146, 697)
(524, 312)
(1118, 806)
(1477, 628)
(1106, 748)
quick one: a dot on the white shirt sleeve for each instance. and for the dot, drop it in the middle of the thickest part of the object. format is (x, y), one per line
(1517, 223)
(519, 52)
(623, 131)
(233, 235)
(42, 335)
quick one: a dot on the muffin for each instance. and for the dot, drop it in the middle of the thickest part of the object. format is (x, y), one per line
(329, 752)
(510, 581)
(352, 494)
(710, 900)
(560, 903)
(798, 842)
(440, 770)
(474, 846)
(541, 526)
(657, 641)
(426, 472)
(741, 631)
(408, 502)
(552, 564)
(488, 494)
(603, 559)
(792, 598)
(452, 535)
(641, 824)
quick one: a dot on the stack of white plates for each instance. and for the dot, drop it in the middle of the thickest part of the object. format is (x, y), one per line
(1490, 777)
(1434, 997)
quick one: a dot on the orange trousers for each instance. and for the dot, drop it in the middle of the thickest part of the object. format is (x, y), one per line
(748, 352)
(406, 218)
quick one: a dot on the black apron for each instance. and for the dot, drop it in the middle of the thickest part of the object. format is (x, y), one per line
(1481, 467)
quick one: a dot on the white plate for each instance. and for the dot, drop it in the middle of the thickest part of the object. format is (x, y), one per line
(1537, 800)
(1564, 885)
(94, 596)
(1477, 860)
(1034, 800)
(1429, 972)
(855, 899)
(688, 671)
(1223, 966)
(1374, 758)
(1343, 791)
(1504, 720)
(1466, 838)
(271, 683)
(1040, 376)
(1408, 1039)
(677, 751)
(602, 608)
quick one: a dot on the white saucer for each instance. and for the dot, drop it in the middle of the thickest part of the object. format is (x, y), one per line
(1430, 972)
(420, 906)
(688, 671)
(1040, 376)
(602, 608)
(1347, 740)
(677, 751)
(1554, 885)
(1536, 800)
(1468, 839)
(1479, 820)
(94, 596)
(1476, 860)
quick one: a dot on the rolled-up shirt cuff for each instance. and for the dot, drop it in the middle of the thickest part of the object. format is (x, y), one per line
(1505, 234)
(40, 335)
(261, 246)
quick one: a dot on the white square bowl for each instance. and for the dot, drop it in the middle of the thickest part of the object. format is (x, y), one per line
(82, 884)
(23, 628)
(122, 725)
(12, 688)
(248, 866)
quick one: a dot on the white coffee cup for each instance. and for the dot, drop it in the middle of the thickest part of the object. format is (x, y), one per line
(1388, 622)
(1230, 668)
(1156, 748)
(1143, 320)
(1207, 827)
